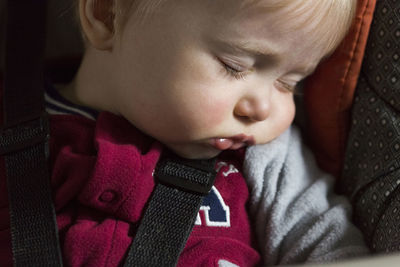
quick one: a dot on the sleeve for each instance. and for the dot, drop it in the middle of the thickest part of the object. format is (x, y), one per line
(295, 213)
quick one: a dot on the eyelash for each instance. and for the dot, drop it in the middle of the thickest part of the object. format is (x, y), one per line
(286, 87)
(240, 75)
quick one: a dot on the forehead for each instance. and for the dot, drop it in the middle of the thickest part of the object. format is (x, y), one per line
(288, 25)
(316, 18)
(290, 15)
(317, 25)
(297, 23)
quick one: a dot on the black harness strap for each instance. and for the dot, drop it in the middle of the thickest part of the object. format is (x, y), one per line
(24, 137)
(172, 210)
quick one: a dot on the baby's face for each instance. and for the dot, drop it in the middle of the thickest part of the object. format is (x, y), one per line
(205, 76)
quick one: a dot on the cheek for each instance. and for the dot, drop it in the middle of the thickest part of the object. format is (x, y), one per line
(207, 112)
(198, 89)
(283, 115)
(216, 113)
(288, 112)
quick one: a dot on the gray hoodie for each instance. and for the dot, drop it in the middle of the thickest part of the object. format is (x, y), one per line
(295, 213)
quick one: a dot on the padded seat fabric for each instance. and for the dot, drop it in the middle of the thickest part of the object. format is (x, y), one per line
(371, 175)
(329, 92)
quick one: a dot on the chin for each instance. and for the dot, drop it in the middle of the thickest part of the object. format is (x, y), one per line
(196, 152)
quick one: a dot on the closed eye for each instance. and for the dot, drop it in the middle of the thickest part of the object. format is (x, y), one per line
(286, 86)
(233, 70)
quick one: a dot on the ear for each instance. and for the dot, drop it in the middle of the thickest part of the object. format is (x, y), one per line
(97, 21)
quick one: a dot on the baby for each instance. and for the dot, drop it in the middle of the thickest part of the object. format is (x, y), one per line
(203, 79)
(204, 76)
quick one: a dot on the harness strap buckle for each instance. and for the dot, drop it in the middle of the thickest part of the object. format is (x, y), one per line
(195, 176)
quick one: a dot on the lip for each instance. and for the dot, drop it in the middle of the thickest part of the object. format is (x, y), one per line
(232, 142)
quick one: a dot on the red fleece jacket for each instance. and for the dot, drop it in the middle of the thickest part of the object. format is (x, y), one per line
(102, 179)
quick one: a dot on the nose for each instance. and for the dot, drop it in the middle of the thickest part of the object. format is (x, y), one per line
(253, 108)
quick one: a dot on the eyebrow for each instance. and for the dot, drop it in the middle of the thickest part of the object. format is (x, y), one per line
(246, 48)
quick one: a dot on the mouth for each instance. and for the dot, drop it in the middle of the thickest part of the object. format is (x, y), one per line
(233, 142)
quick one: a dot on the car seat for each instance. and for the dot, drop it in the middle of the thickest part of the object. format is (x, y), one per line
(328, 94)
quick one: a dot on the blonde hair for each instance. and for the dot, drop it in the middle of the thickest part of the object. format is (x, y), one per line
(330, 19)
